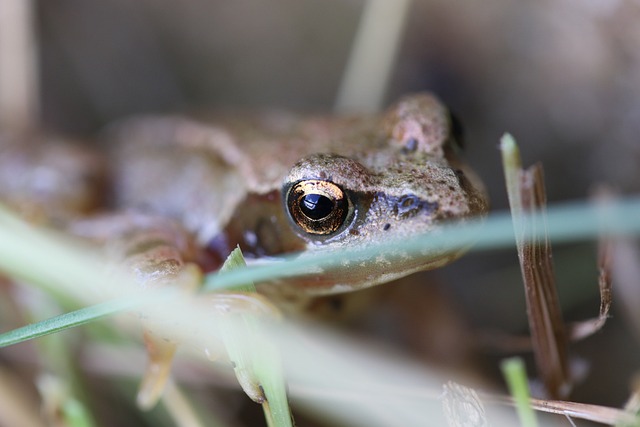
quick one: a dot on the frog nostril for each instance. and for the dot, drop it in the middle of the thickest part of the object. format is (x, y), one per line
(407, 203)
(410, 146)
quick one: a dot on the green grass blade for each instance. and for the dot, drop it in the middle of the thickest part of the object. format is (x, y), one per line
(516, 377)
(75, 414)
(256, 360)
(22, 245)
(64, 321)
(512, 165)
(566, 222)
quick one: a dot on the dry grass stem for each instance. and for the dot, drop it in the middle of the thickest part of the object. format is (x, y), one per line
(372, 57)
(550, 344)
(583, 411)
(19, 89)
(586, 328)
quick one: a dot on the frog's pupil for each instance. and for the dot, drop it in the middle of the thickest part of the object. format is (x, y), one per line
(316, 206)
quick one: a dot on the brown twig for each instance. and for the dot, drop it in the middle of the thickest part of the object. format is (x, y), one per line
(527, 198)
(578, 330)
(584, 411)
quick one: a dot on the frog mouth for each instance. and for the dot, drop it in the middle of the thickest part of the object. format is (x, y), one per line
(355, 275)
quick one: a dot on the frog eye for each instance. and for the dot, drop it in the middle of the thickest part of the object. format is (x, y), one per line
(318, 207)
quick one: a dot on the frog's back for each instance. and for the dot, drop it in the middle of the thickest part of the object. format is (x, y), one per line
(200, 170)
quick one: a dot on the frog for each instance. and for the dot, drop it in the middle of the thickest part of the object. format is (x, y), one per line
(318, 183)
(184, 191)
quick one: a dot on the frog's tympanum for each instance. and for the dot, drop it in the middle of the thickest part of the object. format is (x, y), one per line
(187, 191)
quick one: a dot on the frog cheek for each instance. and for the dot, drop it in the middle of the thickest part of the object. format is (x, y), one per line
(405, 215)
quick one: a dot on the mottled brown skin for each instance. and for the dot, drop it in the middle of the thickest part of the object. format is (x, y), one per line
(225, 181)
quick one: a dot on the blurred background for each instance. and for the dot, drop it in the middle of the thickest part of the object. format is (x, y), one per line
(563, 76)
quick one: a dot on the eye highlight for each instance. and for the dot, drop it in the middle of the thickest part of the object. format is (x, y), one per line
(318, 207)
